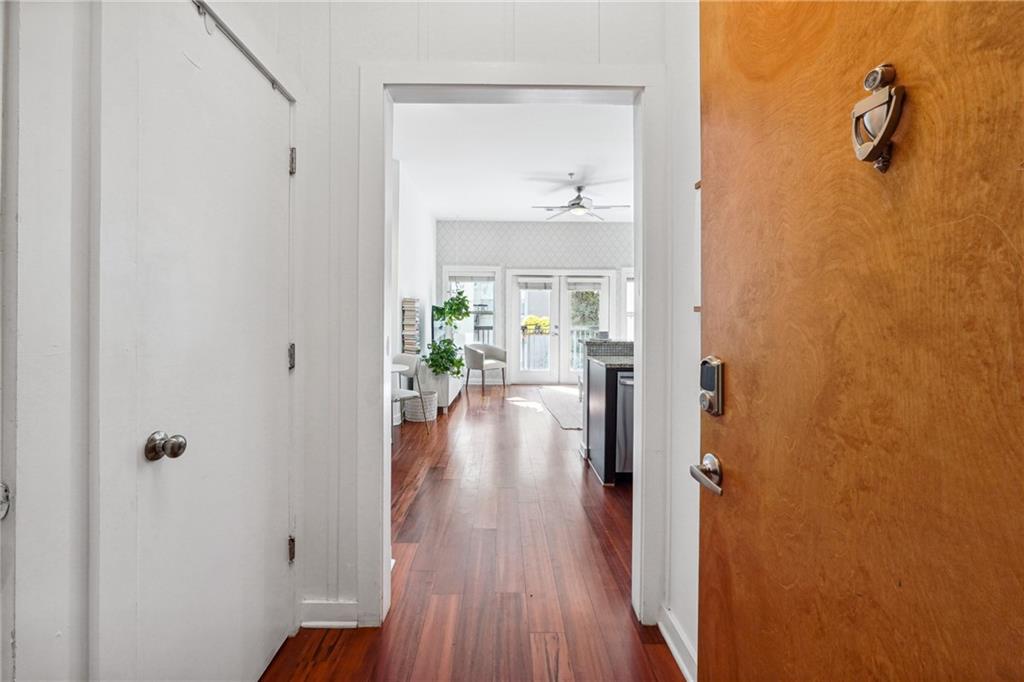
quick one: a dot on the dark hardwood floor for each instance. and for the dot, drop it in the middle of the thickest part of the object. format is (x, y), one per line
(512, 561)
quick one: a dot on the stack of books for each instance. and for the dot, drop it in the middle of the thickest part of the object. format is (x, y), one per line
(411, 325)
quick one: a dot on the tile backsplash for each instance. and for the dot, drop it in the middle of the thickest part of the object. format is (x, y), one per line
(603, 347)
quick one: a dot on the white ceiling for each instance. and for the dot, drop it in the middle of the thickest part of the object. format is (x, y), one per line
(495, 161)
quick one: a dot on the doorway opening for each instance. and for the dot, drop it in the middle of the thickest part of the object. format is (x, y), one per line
(493, 483)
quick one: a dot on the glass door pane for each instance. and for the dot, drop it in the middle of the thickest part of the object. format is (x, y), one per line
(537, 329)
(585, 316)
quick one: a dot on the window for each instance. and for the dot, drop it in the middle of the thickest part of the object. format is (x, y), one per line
(479, 327)
(584, 299)
(630, 307)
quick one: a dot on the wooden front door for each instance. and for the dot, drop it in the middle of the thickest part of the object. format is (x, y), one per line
(872, 330)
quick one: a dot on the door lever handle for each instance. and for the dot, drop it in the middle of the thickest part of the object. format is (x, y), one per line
(708, 473)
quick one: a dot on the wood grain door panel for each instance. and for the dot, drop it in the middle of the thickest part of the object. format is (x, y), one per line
(872, 328)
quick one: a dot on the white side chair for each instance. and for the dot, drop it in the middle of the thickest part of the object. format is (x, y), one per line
(484, 357)
(401, 394)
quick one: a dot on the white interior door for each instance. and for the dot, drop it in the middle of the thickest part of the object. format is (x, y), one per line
(584, 313)
(534, 303)
(215, 598)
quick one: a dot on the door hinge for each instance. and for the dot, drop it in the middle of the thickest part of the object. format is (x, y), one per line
(291, 356)
(291, 161)
(5, 501)
(291, 549)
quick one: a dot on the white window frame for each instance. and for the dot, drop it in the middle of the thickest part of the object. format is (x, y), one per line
(624, 275)
(496, 271)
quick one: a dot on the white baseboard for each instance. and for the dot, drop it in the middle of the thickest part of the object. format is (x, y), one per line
(321, 613)
(683, 650)
(330, 624)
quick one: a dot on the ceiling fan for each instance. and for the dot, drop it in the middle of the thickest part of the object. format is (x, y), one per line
(579, 205)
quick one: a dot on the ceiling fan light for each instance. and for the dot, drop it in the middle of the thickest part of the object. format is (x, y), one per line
(578, 210)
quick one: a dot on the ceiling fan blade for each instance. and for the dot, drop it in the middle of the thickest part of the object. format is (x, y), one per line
(612, 206)
(551, 208)
(559, 180)
(591, 213)
(557, 214)
(608, 181)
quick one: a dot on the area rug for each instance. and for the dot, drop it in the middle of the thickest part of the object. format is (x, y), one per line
(564, 404)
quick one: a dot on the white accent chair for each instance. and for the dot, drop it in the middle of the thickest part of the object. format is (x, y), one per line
(484, 357)
(401, 394)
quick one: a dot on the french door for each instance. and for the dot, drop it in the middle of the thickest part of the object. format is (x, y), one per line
(552, 315)
(534, 353)
(584, 315)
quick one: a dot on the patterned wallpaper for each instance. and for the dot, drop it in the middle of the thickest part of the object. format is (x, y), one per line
(534, 244)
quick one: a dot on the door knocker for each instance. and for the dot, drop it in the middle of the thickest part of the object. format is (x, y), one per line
(876, 116)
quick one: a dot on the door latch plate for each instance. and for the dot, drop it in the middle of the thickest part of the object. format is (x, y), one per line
(5, 501)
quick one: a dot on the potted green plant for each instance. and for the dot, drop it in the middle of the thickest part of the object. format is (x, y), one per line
(444, 356)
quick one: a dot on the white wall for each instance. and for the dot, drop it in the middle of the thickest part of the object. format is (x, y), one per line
(608, 33)
(46, 335)
(416, 257)
(318, 49)
(54, 379)
(604, 33)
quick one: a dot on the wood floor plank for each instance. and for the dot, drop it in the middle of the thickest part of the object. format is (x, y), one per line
(549, 657)
(293, 655)
(511, 562)
(542, 606)
(435, 655)
(400, 636)
(488, 505)
(512, 655)
(587, 651)
(509, 549)
(663, 664)
(357, 657)
(450, 574)
(318, 663)
(481, 563)
(476, 641)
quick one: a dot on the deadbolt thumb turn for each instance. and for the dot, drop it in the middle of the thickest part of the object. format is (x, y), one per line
(161, 445)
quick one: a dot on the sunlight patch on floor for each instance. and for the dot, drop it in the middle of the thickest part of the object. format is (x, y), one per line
(530, 404)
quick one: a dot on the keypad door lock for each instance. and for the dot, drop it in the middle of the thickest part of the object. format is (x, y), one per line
(711, 385)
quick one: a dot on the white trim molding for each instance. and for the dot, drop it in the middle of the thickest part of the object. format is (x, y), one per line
(644, 87)
(683, 650)
(327, 613)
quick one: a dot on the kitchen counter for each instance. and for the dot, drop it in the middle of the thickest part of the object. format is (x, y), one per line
(602, 413)
(614, 361)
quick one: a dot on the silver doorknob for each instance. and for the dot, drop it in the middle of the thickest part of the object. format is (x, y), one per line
(708, 473)
(159, 445)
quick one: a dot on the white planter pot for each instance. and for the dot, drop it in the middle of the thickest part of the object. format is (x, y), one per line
(447, 387)
(414, 408)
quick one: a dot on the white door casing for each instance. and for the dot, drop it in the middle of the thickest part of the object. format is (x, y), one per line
(644, 88)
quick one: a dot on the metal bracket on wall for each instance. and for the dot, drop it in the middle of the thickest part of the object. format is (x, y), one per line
(874, 118)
